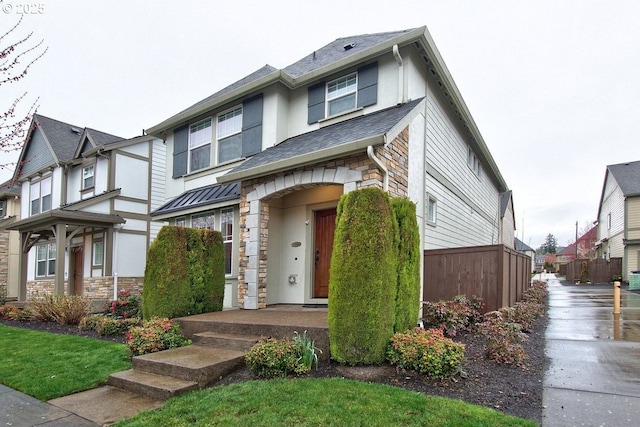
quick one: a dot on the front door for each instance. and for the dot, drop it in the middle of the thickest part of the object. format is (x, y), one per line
(77, 270)
(325, 227)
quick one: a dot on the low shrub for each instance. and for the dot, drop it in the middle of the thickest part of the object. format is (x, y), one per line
(9, 312)
(275, 358)
(537, 292)
(154, 335)
(3, 293)
(503, 338)
(427, 352)
(67, 309)
(125, 306)
(459, 314)
(107, 325)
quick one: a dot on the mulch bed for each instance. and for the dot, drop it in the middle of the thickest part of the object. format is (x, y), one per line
(513, 390)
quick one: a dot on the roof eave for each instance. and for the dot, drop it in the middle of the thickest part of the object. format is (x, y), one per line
(302, 160)
(197, 110)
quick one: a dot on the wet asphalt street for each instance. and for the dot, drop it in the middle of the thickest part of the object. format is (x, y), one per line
(593, 378)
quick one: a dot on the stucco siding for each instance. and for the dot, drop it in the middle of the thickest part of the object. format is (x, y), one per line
(132, 176)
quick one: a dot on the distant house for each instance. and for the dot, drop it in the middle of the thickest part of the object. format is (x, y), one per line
(583, 248)
(507, 220)
(84, 210)
(520, 246)
(266, 159)
(9, 240)
(619, 216)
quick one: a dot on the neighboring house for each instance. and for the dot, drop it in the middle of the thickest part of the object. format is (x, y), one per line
(507, 220)
(9, 240)
(85, 203)
(266, 159)
(539, 262)
(584, 248)
(520, 246)
(619, 216)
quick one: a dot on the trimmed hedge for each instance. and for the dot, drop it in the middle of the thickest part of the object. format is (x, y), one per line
(184, 274)
(408, 293)
(363, 276)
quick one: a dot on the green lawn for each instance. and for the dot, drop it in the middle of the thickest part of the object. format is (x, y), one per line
(318, 402)
(47, 366)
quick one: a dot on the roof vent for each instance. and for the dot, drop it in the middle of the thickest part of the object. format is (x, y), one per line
(349, 46)
(75, 130)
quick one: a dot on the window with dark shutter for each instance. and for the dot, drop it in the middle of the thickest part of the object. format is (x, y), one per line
(316, 102)
(180, 151)
(368, 85)
(252, 126)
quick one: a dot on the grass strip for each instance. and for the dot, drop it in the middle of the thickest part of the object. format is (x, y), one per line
(318, 402)
(47, 366)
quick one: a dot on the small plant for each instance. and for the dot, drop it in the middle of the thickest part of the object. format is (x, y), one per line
(537, 293)
(67, 309)
(9, 312)
(3, 293)
(305, 350)
(427, 352)
(107, 326)
(154, 335)
(274, 358)
(614, 278)
(459, 314)
(125, 306)
(503, 338)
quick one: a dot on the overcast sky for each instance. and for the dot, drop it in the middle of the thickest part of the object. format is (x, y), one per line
(553, 85)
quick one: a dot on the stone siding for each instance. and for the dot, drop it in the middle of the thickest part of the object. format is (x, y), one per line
(93, 287)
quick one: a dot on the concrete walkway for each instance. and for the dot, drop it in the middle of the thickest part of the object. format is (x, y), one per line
(594, 374)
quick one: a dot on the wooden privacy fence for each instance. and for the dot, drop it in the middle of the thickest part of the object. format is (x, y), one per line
(497, 274)
(597, 270)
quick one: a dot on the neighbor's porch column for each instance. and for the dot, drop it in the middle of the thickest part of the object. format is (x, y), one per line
(252, 249)
(61, 239)
(23, 260)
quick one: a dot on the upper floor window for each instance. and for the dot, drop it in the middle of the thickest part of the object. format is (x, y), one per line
(609, 221)
(200, 145)
(87, 177)
(238, 134)
(40, 196)
(432, 204)
(341, 94)
(473, 162)
(3, 208)
(46, 260)
(228, 135)
(355, 90)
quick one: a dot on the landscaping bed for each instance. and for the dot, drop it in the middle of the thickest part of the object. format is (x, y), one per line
(510, 389)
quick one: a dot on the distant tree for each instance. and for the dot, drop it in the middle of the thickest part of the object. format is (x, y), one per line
(549, 246)
(16, 57)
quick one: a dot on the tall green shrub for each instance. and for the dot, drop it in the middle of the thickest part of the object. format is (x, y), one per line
(408, 294)
(362, 284)
(184, 273)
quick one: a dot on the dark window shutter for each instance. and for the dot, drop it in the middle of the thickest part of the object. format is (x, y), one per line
(368, 85)
(180, 151)
(252, 126)
(316, 103)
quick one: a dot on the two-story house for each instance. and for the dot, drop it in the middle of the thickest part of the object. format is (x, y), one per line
(84, 204)
(266, 159)
(619, 216)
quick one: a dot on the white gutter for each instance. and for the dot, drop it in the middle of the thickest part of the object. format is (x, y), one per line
(382, 167)
(396, 55)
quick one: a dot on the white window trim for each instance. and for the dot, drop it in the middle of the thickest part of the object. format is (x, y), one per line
(38, 185)
(220, 137)
(609, 221)
(328, 97)
(191, 148)
(432, 221)
(50, 247)
(473, 162)
(93, 254)
(93, 177)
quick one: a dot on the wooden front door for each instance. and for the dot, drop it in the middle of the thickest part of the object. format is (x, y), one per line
(77, 270)
(325, 227)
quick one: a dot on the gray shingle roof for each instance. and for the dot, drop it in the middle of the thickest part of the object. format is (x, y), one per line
(627, 175)
(504, 202)
(63, 137)
(522, 246)
(102, 138)
(367, 126)
(336, 51)
(201, 196)
(10, 188)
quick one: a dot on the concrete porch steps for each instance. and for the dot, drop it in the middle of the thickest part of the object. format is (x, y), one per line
(229, 341)
(160, 387)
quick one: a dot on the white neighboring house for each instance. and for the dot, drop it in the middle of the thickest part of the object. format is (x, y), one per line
(521, 246)
(85, 203)
(619, 216)
(266, 159)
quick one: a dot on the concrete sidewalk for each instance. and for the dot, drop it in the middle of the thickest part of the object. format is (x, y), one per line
(19, 410)
(594, 374)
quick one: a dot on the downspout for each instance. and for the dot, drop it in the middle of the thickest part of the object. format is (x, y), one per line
(396, 55)
(381, 166)
(114, 263)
